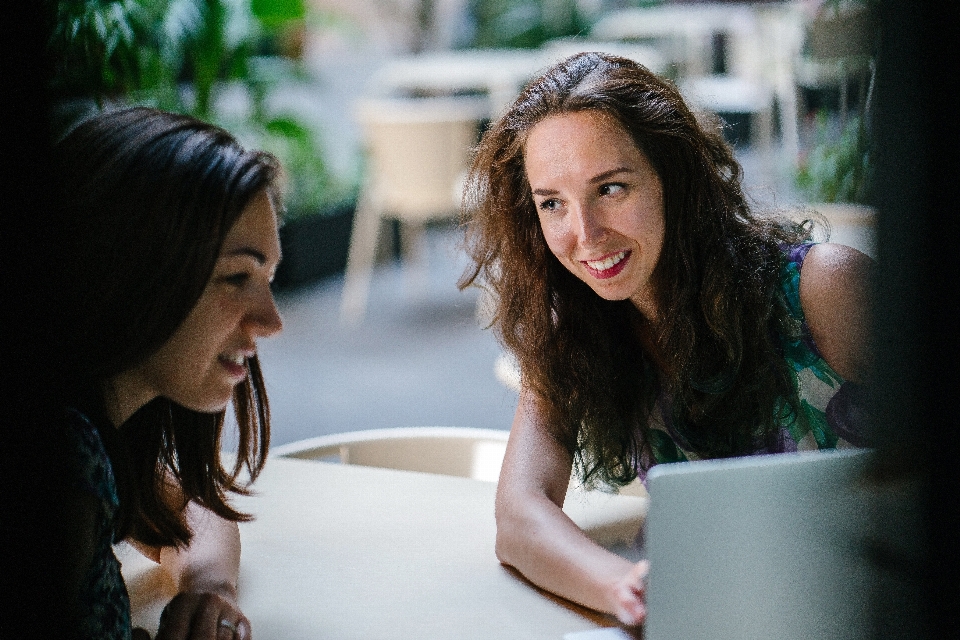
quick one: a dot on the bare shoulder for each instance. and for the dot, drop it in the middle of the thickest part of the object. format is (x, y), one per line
(836, 300)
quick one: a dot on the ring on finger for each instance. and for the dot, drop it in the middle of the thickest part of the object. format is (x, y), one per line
(227, 624)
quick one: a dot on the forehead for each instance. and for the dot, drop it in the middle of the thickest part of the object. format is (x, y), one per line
(256, 227)
(579, 141)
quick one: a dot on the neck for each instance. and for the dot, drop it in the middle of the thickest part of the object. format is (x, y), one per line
(123, 397)
(647, 332)
(647, 307)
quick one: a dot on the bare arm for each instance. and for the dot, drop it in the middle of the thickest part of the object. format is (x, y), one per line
(836, 301)
(539, 540)
(211, 563)
(206, 572)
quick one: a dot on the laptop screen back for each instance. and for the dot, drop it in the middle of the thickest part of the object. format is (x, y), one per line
(764, 547)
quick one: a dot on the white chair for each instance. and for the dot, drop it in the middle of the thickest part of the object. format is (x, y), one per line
(683, 32)
(453, 451)
(837, 53)
(418, 151)
(608, 519)
(781, 29)
(687, 35)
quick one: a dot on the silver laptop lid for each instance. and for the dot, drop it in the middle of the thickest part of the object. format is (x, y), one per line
(765, 547)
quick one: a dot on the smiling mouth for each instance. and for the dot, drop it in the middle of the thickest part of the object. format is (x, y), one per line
(235, 364)
(609, 266)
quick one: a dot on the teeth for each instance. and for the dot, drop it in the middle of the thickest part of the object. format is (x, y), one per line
(603, 265)
(238, 359)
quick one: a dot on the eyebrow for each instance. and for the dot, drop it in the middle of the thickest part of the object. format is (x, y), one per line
(248, 251)
(609, 174)
(598, 178)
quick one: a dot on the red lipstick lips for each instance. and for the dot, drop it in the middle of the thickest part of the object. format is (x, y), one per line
(611, 271)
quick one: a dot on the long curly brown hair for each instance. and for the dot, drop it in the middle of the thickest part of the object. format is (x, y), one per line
(598, 366)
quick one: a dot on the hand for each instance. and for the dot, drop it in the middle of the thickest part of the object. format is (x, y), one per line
(629, 595)
(203, 616)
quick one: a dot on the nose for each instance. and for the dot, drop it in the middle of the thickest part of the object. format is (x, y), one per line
(588, 225)
(264, 319)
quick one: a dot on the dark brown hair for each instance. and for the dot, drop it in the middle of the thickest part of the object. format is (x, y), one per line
(148, 198)
(597, 366)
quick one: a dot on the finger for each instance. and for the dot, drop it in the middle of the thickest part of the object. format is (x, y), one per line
(227, 629)
(175, 619)
(640, 570)
(632, 615)
(211, 610)
(640, 575)
(233, 630)
(244, 632)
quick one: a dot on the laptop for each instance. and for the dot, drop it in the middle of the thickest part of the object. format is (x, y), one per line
(767, 547)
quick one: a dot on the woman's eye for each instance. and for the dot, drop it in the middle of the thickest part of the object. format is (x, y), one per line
(550, 205)
(237, 279)
(610, 189)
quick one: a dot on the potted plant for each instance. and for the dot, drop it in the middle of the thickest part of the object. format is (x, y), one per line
(175, 55)
(319, 208)
(834, 172)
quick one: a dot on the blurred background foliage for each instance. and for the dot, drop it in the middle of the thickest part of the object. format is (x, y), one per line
(525, 24)
(837, 167)
(174, 54)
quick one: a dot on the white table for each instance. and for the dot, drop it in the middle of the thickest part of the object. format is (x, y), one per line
(341, 551)
(763, 42)
(689, 26)
(499, 73)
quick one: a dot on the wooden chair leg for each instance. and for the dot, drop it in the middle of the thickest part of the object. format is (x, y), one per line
(789, 120)
(363, 246)
(414, 248)
(762, 129)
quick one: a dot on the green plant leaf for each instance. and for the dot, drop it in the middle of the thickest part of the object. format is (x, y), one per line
(837, 168)
(275, 12)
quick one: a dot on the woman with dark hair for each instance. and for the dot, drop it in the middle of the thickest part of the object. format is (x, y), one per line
(169, 248)
(654, 317)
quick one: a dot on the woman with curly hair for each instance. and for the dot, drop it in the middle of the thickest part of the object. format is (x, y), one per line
(654, 317)
(162, 292)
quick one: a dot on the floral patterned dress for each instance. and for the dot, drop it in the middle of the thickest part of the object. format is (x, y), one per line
(104, 603)
(831, 405)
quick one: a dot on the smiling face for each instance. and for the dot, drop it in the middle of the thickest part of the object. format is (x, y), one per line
(600, 204)
(202, 362)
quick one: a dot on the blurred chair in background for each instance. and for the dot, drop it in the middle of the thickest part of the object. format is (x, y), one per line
(781, 29)
(837, 53)
(681, 33)
(499, 74)
(452, 451)
(418, 150)
(732, 59)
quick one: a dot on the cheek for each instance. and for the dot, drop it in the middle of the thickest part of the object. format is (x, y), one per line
(649, 225)
(556, 237)
(202, 332)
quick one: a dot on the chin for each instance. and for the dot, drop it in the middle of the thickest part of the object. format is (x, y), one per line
(209, 405)
(610, 295)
